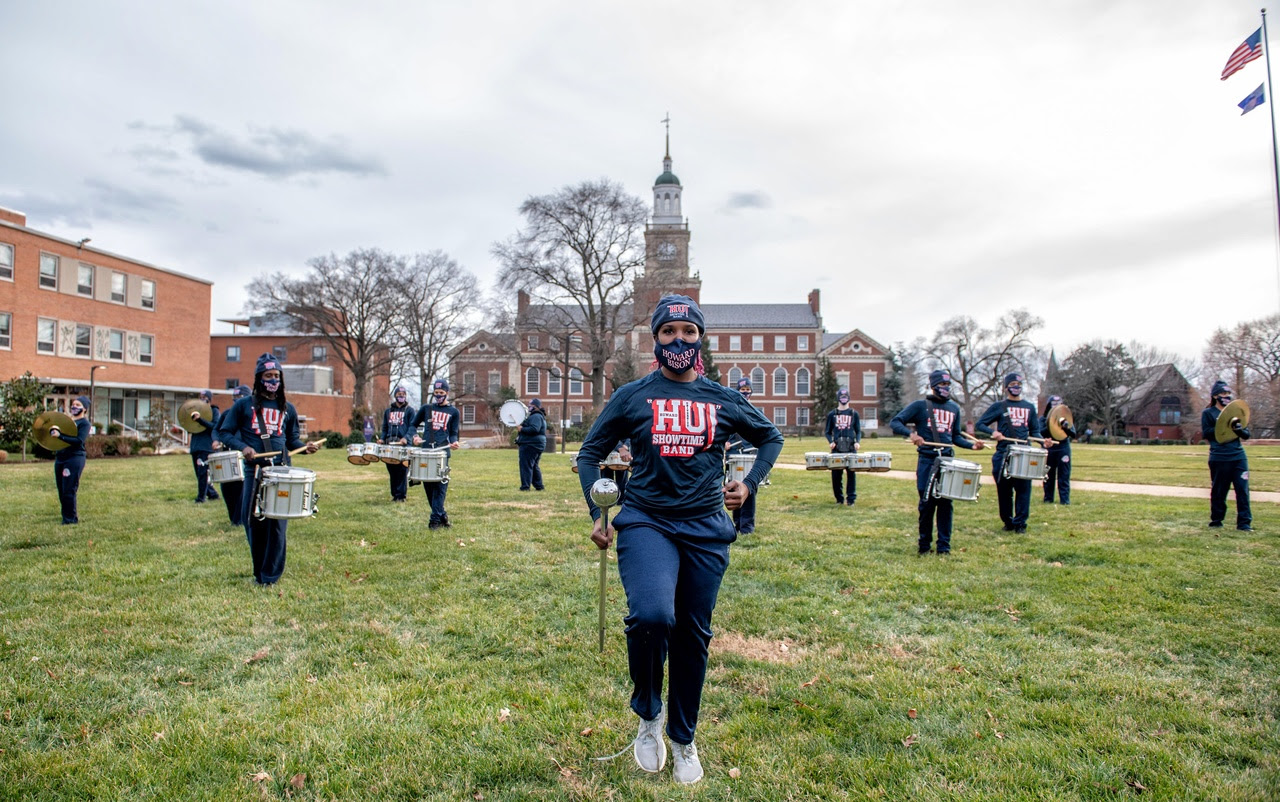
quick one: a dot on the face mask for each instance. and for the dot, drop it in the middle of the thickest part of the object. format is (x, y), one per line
(678, 356)
(1224, 399)
(271, 385)
(77, 411)
(942, 391)
(441, 400)
(844, 399)
(1014, 390)
(400, 399)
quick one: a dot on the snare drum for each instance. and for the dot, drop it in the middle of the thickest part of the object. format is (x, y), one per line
(428, 465)
(957, 479)
(740, 466)
(370, 453)
(286, 492)
(226, 466)
(393, 455)
(840, 460)
(1025, 462)
(881, 461)
(614, 462)
(817, 460)
(573, 461)
(355, 454)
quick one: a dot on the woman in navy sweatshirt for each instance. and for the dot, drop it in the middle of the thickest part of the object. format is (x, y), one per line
(68, 463)
(673, 532)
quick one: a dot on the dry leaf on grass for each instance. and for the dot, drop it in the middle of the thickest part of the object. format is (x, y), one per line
(311, 679)
(298, 780)
(911, 740)
(159, 736)
(735, 772)
(1135, 785)
(260, 777)
(911, 713)
(258, 655)
(181, 682)
(998, 734)
(586, 732)
(810, 682)
(477, 796)
(504, 714)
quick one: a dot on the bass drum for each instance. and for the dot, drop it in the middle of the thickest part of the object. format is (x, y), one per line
(513, 413)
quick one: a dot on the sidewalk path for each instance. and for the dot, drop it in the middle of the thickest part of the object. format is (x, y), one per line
(1102, 487)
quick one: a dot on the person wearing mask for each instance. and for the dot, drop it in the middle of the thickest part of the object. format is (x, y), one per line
(441, 422)
(1228, 464)
(398, 429)
(1014, 418)
(202, 447)
(531, 441)
(68, 463)
(1059, 461)
(672, 531)
(844, 433)
(744, 517)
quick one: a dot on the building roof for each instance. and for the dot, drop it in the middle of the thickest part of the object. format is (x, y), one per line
(667, 177)
(829, 339)
(85, 249)
(759, 316)
(1150, 379)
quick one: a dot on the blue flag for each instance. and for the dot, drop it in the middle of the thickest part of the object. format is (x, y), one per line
(1253, 101)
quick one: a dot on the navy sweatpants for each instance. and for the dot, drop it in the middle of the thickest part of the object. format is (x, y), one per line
(267, 541)
(530, 470)
(1059, 475)
(671, 571)
(204, 488)
(399, 477)
(1013, 495)
(67, 475)
(436, 492)
(930, 508)
(231, 494)
(837, 486)
(1224, 476)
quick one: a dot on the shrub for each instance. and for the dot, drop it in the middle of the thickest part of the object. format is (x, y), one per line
(354, 437)
(332, 439)
(115, 428)
(96, 446)
(146, 451)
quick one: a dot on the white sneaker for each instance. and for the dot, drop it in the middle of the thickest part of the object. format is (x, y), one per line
(650, 747)
(685, 765)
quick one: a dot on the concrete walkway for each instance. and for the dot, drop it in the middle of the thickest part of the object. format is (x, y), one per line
(1101, 487)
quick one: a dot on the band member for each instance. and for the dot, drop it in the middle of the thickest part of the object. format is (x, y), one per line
(232, 491)
(398, 429)
(844, 433)
(202, 447)
(1059, 457)
(936, 419)
(1228, 465)
(68, 463)
(673, 533)
(265, 421)
(440, 423)
(1017, 419)
(531, 441)
(744, 518)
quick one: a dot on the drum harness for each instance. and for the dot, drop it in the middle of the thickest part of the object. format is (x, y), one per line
(931, 488)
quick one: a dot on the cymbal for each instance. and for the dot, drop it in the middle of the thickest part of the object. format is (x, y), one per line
(1055, 421)
(50, 419)
(1236, 409)
(193, 405)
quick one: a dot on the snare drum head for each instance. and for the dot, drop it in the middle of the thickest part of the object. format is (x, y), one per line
(512, 413)
(959, 464)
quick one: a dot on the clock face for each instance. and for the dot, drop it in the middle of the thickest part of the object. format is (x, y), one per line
(666, 250)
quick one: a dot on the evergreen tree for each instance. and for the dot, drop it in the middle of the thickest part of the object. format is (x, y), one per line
(21, 400)
(891, 393)
(625, 367)
(824, 390)
(709, 365)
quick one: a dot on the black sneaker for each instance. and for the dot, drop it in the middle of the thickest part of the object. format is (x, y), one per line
(839, 501)
(212, 496)
(445, 521)
(1008, 527)
(524, 490)
(1019, 530)
(849, 503)
(1215, 524)
(433, 525)
(1245, 528)
(944, 552)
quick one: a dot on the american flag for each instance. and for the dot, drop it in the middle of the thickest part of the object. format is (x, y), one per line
(1248, 50)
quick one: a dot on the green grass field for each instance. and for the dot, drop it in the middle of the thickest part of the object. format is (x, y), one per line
(1120, 648)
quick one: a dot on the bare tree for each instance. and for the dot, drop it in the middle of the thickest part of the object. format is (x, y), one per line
(435, 301)
(577, 257)
(978, 358)
(343, 302)
(1146, 356)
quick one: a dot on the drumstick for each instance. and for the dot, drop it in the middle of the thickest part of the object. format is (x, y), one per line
(304, 448)
(265, 454)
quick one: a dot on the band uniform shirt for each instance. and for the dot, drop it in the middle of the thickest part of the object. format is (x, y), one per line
(397, 422)
(1016, 419)
(844, 424)
(939, 422)
(678, 431)
(440, 424)
(203, 441)
(533, 430)
(238, 428)
(1219, 452)
(75, 443)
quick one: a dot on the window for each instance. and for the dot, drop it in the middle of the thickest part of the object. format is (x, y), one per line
(115, 346)
(802, 343)
(6, 261)
(48, 271)
(468, 413)
(117, 287)
(6, 330)
(576, 416)
(148, 294)
(319, 353)
(531, 381)
(1171, 409)
(779, 416)
(495, 382)
(780, 342)
(84, 340)
(553, 381)
(869, 384)
(780, 381)
(469, 382)
(870, 417)
(280, 353)
(802, 416)
(84, 280)
(735, 342)
(575, 381)
(713, 342)
(146, 346)
(233, 353)
(45, 331)
(842, 378)
(531, 342)
(231, 384)
(575, 340)
(757, 380)
(757, 342)
(802, 384)
(734, 375)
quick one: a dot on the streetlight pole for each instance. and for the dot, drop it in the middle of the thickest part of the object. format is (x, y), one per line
(93, 402)
(564, 390)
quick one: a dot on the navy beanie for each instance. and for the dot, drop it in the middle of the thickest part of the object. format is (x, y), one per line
(206, 395)
(843, 391)
(677, 307)
(938, 377)
(400, 388)
(243, 391)
(1011, 378)
(1219, 387)
(536, 404)
(266, 362)
(744, 382)
(1054, 400)
(440, 384)
(84, 401)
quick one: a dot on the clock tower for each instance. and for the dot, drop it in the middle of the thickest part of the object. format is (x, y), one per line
(666, 241)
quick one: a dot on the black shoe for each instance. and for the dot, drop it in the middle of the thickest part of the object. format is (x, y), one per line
(433, 525)
(199, 501)
(212, 496)
(445, 521)
(1020, 530)
(1048, 501)
(524, 490)
(920, 552)
(539, 489)
(849, 503)
(839, 501)
(1008, 527)
(942, 553)
(1245, 528)
(1215, 524)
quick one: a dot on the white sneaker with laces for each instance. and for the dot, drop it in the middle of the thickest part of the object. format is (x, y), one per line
(650, 747)
(685, 766)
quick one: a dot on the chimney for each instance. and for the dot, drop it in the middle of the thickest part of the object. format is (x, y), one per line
(813, 302)
(522, 303)
(10, 216)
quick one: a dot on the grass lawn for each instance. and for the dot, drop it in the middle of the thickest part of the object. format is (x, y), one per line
(1120, 648)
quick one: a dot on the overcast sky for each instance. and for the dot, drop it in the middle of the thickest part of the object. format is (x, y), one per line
(913, 160)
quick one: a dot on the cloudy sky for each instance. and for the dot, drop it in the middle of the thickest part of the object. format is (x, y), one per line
(913, 160)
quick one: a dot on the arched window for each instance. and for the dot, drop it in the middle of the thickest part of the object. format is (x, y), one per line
(734, 375)
(802, 383)
(532, 383)
(575, 381)
(757, 381)
(780, 381)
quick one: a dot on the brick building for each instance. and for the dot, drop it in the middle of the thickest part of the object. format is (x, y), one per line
(778, 346)
(74, 315)
(1162, 405)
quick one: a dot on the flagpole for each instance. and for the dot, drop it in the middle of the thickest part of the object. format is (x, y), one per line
(1275, 162)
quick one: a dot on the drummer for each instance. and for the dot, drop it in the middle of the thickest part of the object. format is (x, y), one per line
(744, 518)
(1228, 464)
(265, 421)
(1059, 462)
(1015, 418)
(531, 441)
(68, 463)
(938, 417)
(844, 432)
(232, 491)
(202, 447)
(440, 424)
(397, 429)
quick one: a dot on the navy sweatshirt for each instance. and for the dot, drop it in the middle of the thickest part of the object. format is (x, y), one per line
(203, 441)
(844, 423)
(1219, 452)
(935, 421)
(238, 428)
(533, 430)
(75, 443)
(678, 431)
(1016, 419)
(440, 424)
(397, 422)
